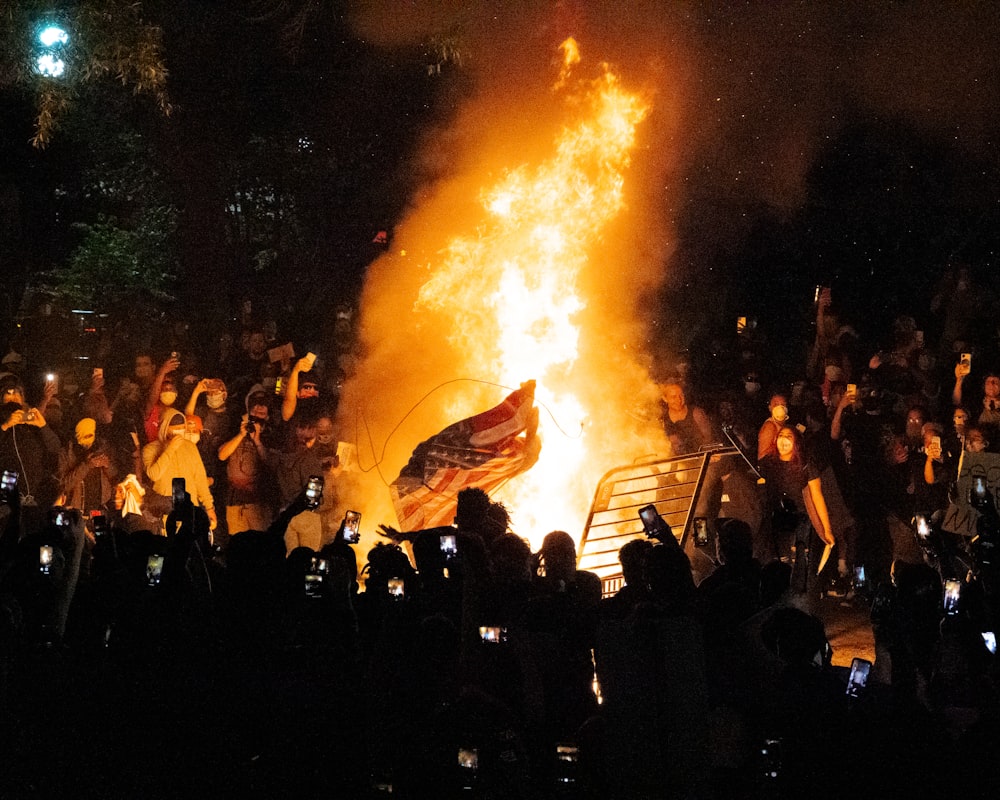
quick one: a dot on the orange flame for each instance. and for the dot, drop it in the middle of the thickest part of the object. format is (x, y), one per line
(513, 295)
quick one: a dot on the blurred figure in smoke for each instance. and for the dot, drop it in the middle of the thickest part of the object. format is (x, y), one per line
(687, 427)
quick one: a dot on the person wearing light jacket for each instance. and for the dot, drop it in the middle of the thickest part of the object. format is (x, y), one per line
(174, 456)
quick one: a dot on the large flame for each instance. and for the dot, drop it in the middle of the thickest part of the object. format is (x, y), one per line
(509, 298)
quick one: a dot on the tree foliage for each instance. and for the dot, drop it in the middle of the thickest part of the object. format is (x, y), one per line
(107, 39)
(117, 264)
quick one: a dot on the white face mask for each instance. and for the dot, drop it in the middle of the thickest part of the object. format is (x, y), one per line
(324, 438)
(215, 401)
(194, 438)
(780, 413)
(168, 398)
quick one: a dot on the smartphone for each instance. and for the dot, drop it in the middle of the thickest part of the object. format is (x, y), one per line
(881, 603)
(314, 491)
(770, 752)
(567, 757)
(8, 485)
(649, 516)
(99, 523)
(60, 517)
(53, 379)
(312, 359)
(178, 491)
(858, 680)
(277, 385)
(45, 559)
(701, 531)
(952, 594)
(852, 389)
(154, 569)
(468, 758)
(967, 359)
(859, 577)
(314, 577)
(990, 640)
(397, 587)
(449, 545)
(923, 526)
(979, 487)
(352, 527)
(492, 634)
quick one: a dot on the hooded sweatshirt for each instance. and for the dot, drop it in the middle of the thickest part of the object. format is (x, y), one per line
(182, 461)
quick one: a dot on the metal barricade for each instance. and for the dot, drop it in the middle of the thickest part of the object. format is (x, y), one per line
(672, 485)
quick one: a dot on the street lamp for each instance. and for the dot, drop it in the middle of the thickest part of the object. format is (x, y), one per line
(49, 62)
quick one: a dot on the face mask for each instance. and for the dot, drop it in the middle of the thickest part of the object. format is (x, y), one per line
(324, 438)
(192, 437)
(752, 387)
(215, 401)
(780, 413)
(168, 398)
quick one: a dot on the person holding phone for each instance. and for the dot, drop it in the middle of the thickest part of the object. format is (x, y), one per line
(173, 456)
(795, 498)
(930, 471)
(28, 446)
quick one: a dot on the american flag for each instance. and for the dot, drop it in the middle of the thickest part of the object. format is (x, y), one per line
(485, 451)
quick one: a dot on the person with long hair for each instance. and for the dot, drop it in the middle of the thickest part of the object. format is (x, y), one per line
(795, 496)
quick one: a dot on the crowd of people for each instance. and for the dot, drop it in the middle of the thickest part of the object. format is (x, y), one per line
(185, 610)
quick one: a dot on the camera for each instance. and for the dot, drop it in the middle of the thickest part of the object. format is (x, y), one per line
(314, 490)
(449, 545)
(492, 634)
(45, 559)
(8, 486)
(952, 595)
(154, 569)
(858, 680)
(701, 532)
(352, 527)
(397, 588)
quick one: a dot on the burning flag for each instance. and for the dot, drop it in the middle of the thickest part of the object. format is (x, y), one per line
(486, 451)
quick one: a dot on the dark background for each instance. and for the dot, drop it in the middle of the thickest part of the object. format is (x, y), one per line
(853, 146)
